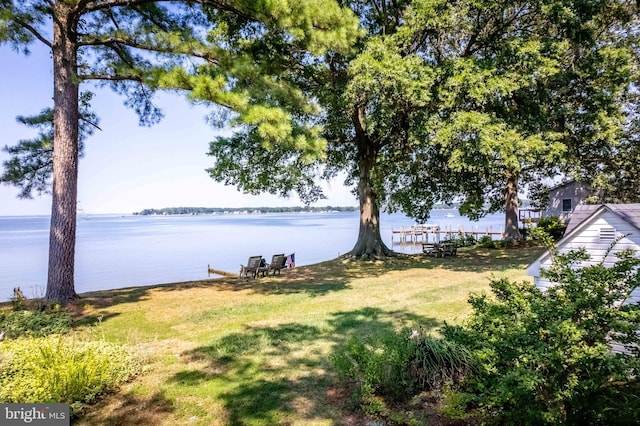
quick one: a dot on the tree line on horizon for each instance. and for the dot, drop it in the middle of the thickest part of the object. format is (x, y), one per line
(221, 210)
(292, 209)
(415, 102)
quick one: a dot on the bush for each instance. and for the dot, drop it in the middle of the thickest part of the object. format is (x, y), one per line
(546, 358)
(552, 226)
(63, 368)
(462, 240)
(485, 242)
(34, 323)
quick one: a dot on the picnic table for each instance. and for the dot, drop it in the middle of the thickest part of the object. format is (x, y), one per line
(445, 248)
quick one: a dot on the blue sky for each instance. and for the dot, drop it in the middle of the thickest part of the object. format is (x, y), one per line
(126, 168)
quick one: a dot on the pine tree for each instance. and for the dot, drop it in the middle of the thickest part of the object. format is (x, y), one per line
(138, 47)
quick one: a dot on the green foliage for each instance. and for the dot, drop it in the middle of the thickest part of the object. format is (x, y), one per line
(62, 368)
(462, 240)
(235, 52)
(545, 357)
(388, 366)
(553, 226)
(514, 95)
(436, 362)
(222, 210)
(485, 241)
(34, 323)
(376, 363)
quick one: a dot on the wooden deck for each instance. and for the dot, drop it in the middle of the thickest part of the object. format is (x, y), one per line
(529, 215)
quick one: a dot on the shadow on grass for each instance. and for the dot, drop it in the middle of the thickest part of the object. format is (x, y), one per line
(130, 409)
(266, 375)
(316, 280)
(479, 260)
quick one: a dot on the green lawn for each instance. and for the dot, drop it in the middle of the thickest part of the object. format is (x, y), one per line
(256, 352)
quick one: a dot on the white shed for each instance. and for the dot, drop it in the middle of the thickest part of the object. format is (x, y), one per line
(595, 228)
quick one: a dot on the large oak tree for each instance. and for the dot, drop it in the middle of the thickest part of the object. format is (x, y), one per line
(523, 90)
(352, 143)
(137, 47)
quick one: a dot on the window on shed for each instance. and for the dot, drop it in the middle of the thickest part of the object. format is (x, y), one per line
(566, 205)
(607, 234)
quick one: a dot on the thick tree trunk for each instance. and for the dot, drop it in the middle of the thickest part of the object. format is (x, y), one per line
(369, 244)
(511, 230)
(62, 239)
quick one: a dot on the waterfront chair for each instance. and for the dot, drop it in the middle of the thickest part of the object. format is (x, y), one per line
(252, 268)
(278, 261)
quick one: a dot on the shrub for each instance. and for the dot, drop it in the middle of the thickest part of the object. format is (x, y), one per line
(462, 240)
(34, 323)
(63, 368)
(545, 357)
(552, 226)
(484, 241)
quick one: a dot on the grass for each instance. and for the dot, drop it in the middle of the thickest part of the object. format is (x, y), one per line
(256, 352)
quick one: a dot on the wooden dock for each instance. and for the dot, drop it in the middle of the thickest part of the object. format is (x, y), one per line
(419, 233)
(220, 272)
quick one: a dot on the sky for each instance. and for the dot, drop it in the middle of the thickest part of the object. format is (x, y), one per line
(126, 168)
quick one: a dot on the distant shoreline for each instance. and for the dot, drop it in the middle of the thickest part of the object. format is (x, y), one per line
(176, 211)
(173, 211)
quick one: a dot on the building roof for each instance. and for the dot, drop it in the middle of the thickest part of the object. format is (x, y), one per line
(629, 212)
(581, 214)
(561, 184)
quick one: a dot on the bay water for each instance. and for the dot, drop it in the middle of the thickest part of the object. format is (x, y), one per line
(117, 251)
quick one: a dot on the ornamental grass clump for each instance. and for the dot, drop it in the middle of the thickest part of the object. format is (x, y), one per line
(62, 368)
(436, 362)
(389, 367)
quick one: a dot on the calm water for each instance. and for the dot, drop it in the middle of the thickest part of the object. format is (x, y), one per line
(124, 251)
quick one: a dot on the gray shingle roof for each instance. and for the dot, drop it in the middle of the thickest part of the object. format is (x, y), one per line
(629, 212)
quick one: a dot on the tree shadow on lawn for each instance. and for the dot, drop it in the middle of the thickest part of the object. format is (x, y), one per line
(275, 375)
(128, 409)
(470, 260)
(318, 279)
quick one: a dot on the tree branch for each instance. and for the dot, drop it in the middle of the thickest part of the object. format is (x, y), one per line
(33, 31)
(111, 42)
(108, 77)
(221, 5)
(91, 123)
